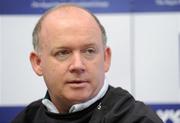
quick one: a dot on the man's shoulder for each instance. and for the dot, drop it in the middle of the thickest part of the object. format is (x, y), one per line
(118, 90)
(33, 106)
(35, 103)
(120, 103)
(118, 94)
(28, 112)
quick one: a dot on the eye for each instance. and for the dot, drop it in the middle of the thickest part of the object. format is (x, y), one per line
(89, 52)
(63, 54)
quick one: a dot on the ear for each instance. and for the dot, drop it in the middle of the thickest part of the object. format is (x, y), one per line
(36, 63)
(107, 58)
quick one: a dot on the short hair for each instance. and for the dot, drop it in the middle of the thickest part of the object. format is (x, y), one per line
(37, 28)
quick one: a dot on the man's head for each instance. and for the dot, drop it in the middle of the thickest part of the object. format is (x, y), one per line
(71, 55)
(38, 25)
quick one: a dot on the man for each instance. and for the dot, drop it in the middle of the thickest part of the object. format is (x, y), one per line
(70, 53)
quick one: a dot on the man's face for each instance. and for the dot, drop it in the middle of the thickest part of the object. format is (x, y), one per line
(73, 59)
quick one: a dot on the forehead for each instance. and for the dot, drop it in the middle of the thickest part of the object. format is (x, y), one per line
(67, 22)
(67, 15)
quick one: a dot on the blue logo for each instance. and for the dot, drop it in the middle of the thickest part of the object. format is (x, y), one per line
(169, 113)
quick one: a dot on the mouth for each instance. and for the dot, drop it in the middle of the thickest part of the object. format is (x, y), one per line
(78, 83)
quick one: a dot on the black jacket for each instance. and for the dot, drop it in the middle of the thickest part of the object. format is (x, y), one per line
(117, 106)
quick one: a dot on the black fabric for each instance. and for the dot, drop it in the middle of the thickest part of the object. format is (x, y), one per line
(117, 106)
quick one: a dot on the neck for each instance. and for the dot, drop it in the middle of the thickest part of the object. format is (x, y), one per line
(62, 106)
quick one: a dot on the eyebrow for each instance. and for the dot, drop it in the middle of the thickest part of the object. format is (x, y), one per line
(69, 47)
(90, 44)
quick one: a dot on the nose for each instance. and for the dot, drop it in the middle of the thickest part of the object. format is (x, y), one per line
(77, 66)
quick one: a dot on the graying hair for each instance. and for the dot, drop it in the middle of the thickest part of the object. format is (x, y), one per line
(37, 28)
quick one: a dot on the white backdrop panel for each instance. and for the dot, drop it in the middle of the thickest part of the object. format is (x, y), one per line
(156, 57)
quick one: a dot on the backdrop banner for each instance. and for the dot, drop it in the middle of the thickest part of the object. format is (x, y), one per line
(96, 6)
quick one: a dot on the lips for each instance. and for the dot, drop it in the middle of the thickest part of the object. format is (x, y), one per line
(78, 83)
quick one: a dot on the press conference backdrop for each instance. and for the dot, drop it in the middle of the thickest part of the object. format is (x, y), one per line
(144, 36)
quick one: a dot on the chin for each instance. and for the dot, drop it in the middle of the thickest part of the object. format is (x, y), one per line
(79, 98)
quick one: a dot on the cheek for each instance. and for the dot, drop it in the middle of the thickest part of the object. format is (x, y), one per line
(100, 63)
(53, 73)
(97, 72)
(97, 68)
(54, 80)
(51, 66)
